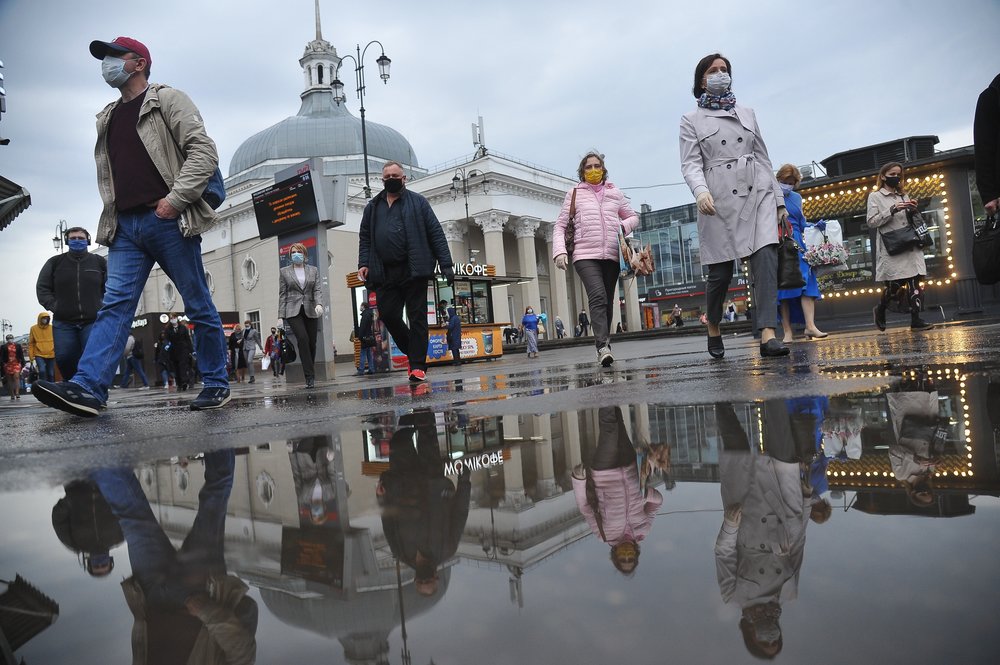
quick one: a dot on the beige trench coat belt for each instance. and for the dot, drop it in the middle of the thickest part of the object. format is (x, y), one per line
(745, 174)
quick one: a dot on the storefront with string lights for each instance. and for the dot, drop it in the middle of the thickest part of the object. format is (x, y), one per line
(943, 184)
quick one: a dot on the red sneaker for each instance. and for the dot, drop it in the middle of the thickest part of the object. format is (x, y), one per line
(418, 375)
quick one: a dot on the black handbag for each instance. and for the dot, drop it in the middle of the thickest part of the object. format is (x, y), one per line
(986, 251)
(789, 272)
(925, 429)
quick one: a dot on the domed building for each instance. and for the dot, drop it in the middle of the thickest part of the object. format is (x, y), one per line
(494, 209)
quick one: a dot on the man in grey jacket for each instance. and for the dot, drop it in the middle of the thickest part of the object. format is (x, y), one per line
(154, 160)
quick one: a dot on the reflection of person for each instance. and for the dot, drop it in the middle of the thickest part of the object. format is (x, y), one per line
(887, 211)
(185, 607)
(13, 361)
(314, 475)
(300, 305)
(71, 286)
(725, 163)
(986, 137)
(758, 552)
(423, 512)
(911, 456)
(41, 347)
(609, 494)
(83, 522)
(600, 210)
(798, 305)
(400, 240)
(529, 330)
(154, 160)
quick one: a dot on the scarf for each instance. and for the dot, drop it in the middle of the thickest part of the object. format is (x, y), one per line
(726, 101)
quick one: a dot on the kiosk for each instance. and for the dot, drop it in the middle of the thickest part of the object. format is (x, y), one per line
(472, 298)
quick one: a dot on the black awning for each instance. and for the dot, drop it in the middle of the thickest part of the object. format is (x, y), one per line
(14, 200)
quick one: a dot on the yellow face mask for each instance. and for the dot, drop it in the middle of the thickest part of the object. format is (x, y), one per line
(594, 176)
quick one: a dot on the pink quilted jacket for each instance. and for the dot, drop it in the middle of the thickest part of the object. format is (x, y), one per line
(596, 224)
(626, 514)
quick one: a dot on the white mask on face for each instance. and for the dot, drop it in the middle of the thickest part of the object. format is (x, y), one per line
(718, 83)
(113, 70)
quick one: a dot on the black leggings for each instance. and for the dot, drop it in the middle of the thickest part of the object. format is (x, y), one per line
(916, 298)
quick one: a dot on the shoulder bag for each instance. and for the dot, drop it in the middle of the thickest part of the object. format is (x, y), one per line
(571, 225)
(789, 272)
(914, 234)
(986, 251)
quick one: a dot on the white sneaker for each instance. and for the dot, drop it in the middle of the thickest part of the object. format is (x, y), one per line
(144, 388)
(604, 357)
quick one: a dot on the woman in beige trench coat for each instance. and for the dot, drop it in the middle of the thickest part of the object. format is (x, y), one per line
(887, 208)
(725, 163)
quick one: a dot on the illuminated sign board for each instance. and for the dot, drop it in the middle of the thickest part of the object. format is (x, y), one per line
(286, 206)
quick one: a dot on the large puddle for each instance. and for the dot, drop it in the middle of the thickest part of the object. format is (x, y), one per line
(852, 527)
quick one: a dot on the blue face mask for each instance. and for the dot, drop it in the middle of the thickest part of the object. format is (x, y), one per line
(786, 189)
(77, 245)
(298, 258)
(113, 71)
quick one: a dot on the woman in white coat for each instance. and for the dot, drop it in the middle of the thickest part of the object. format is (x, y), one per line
(299, 304)
(725, 163)
(887, 211)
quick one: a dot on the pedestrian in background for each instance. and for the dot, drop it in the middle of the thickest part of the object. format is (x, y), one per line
(798, 305)
(677, 316)
(455, 336)
(71, 286)
(399, 243)
(725, 164)
(584, 322)
(272, 349)
(13, 361)
(179, 340)
(366, 340)
(600, 212)
(986, 137)
(154, 160)
(901, 274)
(133, 362)
(163, 365)
(41, 347)
(236, 355)
(560, 328)
(300, 306)
(529, 328)
(251, 341)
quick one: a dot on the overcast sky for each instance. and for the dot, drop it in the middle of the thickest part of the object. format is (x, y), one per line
(551, 80)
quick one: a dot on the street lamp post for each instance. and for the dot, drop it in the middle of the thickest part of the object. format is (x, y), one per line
(359, 77)
(58, 240)
(460, 185)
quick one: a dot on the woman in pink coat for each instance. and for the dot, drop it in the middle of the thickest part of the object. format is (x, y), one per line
(600, 208)
(618, 508)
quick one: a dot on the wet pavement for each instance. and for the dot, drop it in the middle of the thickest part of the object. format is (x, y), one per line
(837, 506)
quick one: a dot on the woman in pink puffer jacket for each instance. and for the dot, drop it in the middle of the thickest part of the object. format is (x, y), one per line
(600, 208)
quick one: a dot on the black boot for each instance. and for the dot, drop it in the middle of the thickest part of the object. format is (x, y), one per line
(916, 323)
(879, 312)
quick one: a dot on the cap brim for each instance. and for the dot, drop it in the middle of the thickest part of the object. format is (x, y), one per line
(100, 49)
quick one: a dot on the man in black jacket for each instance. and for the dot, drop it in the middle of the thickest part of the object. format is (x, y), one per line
(71, 286)
(399, 243)
(986, 137)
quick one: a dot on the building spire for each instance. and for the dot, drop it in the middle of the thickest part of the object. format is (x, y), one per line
(319, 31)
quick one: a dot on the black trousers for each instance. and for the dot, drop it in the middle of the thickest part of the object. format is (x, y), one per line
(763, 287)
(410, 336)
(600, 281)
(304, 330)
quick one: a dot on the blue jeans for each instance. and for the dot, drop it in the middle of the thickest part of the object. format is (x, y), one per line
(46, 368)
(133, 364)
(166, 575)
(366, 363)
(70, 340)
(141, 240)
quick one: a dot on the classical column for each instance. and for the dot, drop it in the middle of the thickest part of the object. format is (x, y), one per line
(454, 233)
(492, 224)
(513, 474)
(571, 438)
(545, 484)
(561, 305)
(524, 229)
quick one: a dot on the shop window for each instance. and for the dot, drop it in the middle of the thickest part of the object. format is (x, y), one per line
(250, 275)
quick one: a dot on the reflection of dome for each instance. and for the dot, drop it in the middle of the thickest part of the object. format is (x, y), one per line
(320, 129)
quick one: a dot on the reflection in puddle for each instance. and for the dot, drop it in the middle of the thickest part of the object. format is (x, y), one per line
(385, 537)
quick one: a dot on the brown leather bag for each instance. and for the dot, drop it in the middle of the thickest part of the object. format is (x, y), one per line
(571, 226)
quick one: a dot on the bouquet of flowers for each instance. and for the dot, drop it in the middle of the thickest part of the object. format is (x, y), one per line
(826, 254)
(825, 250)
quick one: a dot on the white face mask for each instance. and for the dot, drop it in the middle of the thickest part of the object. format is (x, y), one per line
(113, 70)
(717, 83)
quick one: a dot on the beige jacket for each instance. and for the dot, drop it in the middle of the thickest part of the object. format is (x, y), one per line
(902, 266)
(185, 163)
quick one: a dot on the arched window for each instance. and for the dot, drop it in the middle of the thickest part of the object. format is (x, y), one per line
(319, 70)
(309, 71)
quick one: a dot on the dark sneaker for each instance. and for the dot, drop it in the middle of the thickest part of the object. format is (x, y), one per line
(878, 312)
(418, 375)
(67, 396)
(773, 348)
(920, 324)
(210, 398)
(604, 357)
(716, 348)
